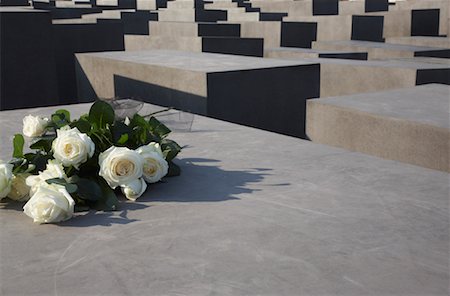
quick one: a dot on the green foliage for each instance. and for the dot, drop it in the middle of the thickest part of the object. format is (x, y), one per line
(101, 115)
(18, 143)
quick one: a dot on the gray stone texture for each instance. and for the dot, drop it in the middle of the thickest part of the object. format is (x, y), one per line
(253, 213)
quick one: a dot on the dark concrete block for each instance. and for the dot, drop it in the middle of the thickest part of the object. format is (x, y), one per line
(27, 62)
(80, 38)
(377, 5)
(347, 56)
(210, 15)
(438, 53)
(298, 34)
(137, 23)
(367, 28)
(14, 3)
(425, 22)
(272, 16)
(271, 99)
(427, 76)
(325, 7)
(232, 45)
(215, 30)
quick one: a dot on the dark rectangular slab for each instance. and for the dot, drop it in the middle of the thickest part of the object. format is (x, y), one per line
(325, 7)
(80, 38)
(234, 45)
(298, 34)
(425, 22)
(367, 28)
(27, 60)
(215, 30)
(376, 5)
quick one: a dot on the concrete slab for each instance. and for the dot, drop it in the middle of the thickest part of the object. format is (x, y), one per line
(27, 68)
(166, 77)
(305, 53)
(380, 50)
(410, 125)
(253, 213)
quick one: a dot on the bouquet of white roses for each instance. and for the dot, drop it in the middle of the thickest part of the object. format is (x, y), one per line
(77, 165)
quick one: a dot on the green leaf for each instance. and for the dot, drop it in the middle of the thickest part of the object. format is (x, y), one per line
(88, 189)
(174, 170)
(39, 160)
(170, 149)
(43, 143)
(82, 125)
(60, 119)
(120, 132)
(123, 139)
(101, 114)
(109, 201)
(18, 143)
(158, 128)
(65, 113)
(71, 188)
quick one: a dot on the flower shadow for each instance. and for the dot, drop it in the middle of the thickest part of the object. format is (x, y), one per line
(203, 180)
(99, 218)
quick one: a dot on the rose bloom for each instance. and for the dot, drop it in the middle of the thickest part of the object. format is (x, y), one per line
(50, 203)
(155, 166)
(19, 189)
(134, 189)
(6, 176)
(71, 147)
(120, 166)
(53, 170)
(34, 126)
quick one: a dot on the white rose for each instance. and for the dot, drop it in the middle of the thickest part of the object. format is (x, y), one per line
(51, 203)
(134, 189)
(72, 148)
(53, 170)
(34, 126)
(120, 166)
(19, 189)
(155, 166)
(5, 178)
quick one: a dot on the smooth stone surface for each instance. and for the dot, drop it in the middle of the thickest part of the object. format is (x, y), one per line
(254, 213)
(410, 125)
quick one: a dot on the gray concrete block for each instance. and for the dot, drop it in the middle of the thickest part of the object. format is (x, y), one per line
(266, 93)
(409, 125)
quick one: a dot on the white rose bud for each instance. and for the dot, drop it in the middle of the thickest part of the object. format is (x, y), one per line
(134, 189)
(120, 166)
(5, 178)
(19, 189)
(72, 148)
(51, 203)
(34, 126)
(155, 166)
(53, 170)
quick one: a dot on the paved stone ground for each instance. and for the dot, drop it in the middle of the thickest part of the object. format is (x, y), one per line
(254, 213)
